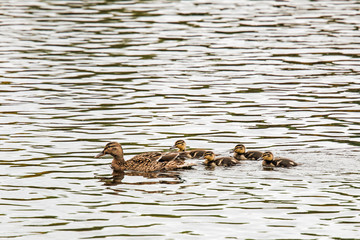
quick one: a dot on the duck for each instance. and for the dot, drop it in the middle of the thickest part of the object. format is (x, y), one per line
(144, 162)
(212, 161)
(240, 153)
(181, 146)
(270, 162)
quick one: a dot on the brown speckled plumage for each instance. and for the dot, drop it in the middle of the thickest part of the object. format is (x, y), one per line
(241, 154)
(144, 162)
(270, 162)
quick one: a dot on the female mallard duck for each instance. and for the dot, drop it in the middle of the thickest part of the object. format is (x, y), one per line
(196, 153)
(270, 162)
(211, 161)
(241, 154)
(144, 162)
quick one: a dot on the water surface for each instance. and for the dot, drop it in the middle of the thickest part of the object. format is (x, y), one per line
(273, 75)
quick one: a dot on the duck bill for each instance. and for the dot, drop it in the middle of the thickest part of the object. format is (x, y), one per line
(173, 147)
(100, 155)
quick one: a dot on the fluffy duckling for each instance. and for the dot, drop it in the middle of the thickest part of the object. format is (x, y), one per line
(241, 154)
(270, 162)
(181, 145)
(144, 162)
(211, 161)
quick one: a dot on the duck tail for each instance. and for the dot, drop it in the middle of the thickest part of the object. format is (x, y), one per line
(187, 165)
(173, 165)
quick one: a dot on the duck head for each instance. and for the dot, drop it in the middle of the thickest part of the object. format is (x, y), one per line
(267, 156)
(267, 161)
(180, 144)
(209, 157)
(240, 149)
(112, 148)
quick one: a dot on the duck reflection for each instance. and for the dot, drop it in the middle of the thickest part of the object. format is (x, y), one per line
(157, 177)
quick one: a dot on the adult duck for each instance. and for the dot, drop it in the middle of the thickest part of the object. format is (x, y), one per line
(144, 162)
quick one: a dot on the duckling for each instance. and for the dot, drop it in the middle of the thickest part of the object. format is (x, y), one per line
(241, 154)
(269, 162)
(144, 162)
(196, 153)
(211, 161)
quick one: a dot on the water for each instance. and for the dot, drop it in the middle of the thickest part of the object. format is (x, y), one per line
(273, 75)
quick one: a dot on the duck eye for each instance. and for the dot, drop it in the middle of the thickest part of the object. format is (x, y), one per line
(111, 147)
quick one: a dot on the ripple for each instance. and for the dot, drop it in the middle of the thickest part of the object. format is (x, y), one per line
(279, 76)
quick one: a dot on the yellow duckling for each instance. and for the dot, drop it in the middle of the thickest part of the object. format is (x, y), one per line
(181, 146)
(269, 162)
(211, 161)
(144, 162)
(241, 154)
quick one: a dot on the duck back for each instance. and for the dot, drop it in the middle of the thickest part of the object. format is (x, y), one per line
(253, 155)
(284, 162)
(226, 161)
(197, 153)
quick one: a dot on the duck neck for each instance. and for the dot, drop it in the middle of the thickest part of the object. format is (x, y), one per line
(209, 162)
(118, 163)
(182, 149)
(119, 159)
(239, 156)
(268, 161)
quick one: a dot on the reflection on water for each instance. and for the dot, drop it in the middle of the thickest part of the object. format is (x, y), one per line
(155, 178)
(273, 75)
